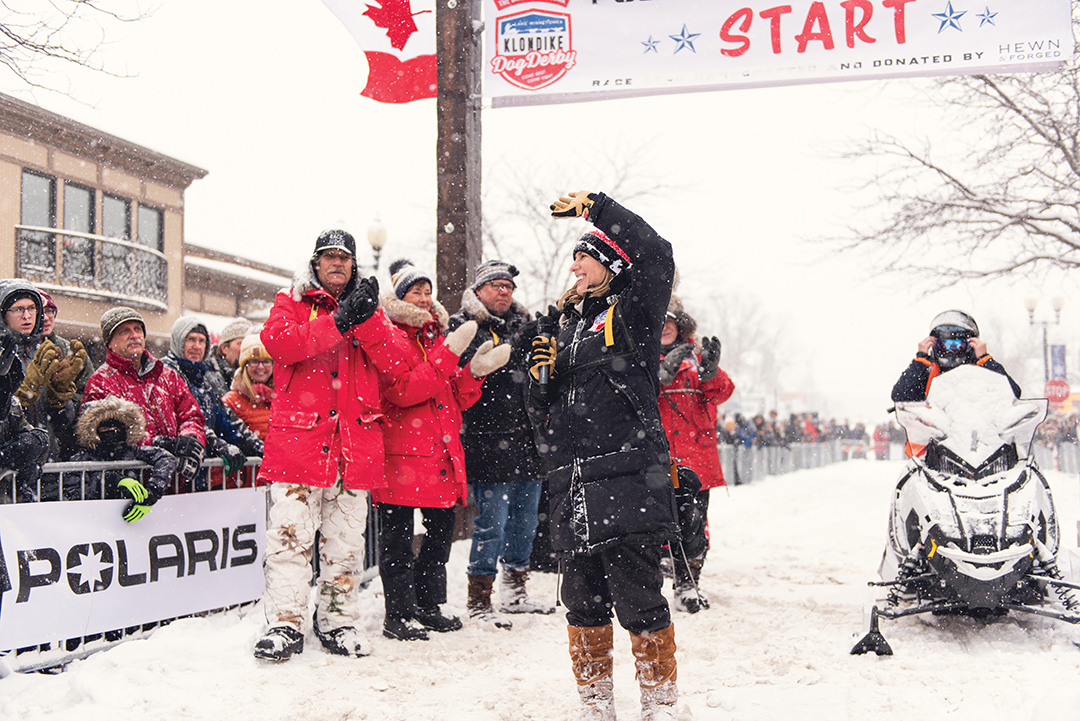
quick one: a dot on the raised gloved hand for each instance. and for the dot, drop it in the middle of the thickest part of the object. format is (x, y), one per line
(459, 339)
(710, 358)
(38, 372)
(574, 205)
(233, 458)
(358, 306)
(61, 386)
(189, 455)
(669, 367)
(142, 499)
(543, 354)
(488, 358)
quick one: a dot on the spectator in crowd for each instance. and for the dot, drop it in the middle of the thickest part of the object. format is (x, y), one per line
(112, 429)
(48, 387)
(425, 462)
(692, 385)
(173, 418)
(953, 341)
(227, 437)
(328, 339)
(23, 448)
(224, 357)
(49, 313)
(594, 403)
(500, 451)
(252, 386)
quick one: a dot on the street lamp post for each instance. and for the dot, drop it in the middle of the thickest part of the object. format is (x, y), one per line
(376, 236)
(1057, 303)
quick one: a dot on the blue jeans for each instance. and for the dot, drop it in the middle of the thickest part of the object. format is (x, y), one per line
(505, 525)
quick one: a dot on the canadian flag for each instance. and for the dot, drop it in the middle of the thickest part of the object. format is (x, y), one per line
(398, 38)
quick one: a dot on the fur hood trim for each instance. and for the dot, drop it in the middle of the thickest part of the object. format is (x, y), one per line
(305, 280)
(109, 408)
(405, 313)
(472, 308)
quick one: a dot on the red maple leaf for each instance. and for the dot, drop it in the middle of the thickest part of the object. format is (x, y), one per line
(396, 17)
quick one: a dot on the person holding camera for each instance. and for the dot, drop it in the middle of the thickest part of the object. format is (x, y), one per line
(953, 341)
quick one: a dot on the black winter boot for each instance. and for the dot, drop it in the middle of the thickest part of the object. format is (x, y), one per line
(279, 644)
(433, 620)
(344, 641)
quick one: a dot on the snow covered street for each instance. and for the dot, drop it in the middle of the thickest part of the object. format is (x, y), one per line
(787, 580)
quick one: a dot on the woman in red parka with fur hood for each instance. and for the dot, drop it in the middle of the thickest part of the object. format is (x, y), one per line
(425, 462)
(692, 385)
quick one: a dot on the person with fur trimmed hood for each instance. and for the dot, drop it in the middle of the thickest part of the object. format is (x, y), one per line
(252, 386)
(111, 429)
(425, 462)
(324, 450)
(594, 401)
(692, 386)
(227, 437)
(500, 451)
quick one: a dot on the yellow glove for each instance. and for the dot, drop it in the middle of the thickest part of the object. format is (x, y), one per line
(573, 205)
(61, 386)
(37, 374)
(543, 354)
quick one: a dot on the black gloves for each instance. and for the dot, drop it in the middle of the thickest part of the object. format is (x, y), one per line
(188, 451)
(233, 458)
(710, 358)
(358, 306)
(669, 367)
(7, 352)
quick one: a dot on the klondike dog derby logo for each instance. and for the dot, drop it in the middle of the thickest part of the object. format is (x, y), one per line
(533, 48)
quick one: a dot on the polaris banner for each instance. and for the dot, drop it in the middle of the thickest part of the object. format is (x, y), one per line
(552, 51)
(72, 569)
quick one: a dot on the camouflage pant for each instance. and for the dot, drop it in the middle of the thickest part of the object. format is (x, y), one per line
(296, 513)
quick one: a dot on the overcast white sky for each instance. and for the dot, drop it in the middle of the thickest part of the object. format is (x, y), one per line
(265, 96)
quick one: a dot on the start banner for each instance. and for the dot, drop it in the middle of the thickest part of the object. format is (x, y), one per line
(552, 51)
(70, 569)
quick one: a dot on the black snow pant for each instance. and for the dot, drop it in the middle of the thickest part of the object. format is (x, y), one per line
(411, 582)
(623, 578)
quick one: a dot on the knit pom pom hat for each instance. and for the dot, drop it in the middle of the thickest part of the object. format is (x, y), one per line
(404, 275)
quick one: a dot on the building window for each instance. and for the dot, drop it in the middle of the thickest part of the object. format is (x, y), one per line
(37, 252)
(115, 223)
(150, 271)
(79, 216)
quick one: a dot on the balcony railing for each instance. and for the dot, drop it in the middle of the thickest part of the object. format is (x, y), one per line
(93, 265)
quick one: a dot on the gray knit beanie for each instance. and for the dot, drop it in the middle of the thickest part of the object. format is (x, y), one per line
(114, 318)
(237, 328)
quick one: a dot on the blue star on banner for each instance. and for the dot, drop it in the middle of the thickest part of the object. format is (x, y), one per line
(650, 45)
(684, 40)
(950, 18)
(986, 17)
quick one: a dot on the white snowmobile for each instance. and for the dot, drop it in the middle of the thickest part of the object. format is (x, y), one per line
(972, 529)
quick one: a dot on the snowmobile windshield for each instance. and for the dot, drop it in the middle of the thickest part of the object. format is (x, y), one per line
(971, 413)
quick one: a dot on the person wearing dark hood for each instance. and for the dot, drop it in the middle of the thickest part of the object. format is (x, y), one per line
(324, 451)
(23, 448)
(112, 429)
(500, 451)
(227, 437)
(48, 388)
(425, 462)
(173, 418)
(692, 386)
(594, 403)
(953, 341)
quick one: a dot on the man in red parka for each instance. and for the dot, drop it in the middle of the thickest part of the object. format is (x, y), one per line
(691, 387)
(324, 449)
(173, 419)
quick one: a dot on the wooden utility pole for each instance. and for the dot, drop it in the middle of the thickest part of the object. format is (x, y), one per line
(459, 55)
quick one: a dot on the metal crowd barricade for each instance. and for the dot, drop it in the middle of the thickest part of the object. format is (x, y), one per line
(66, 483)
(742, 464)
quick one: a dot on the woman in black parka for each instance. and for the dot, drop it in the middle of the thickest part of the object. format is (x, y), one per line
(605, 453)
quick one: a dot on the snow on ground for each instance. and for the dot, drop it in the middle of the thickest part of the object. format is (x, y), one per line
(787, 579)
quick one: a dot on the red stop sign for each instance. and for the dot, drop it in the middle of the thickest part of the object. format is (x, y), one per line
(1057, 391)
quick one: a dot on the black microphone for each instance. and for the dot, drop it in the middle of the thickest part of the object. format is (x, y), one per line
(545, 325)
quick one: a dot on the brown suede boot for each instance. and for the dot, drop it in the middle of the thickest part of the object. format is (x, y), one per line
(654, 655)
(590, 655)
(479, 603)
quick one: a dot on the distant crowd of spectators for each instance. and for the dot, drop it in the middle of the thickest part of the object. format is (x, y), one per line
(772, 430)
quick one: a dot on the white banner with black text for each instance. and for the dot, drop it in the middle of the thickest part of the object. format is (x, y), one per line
(72, 569)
